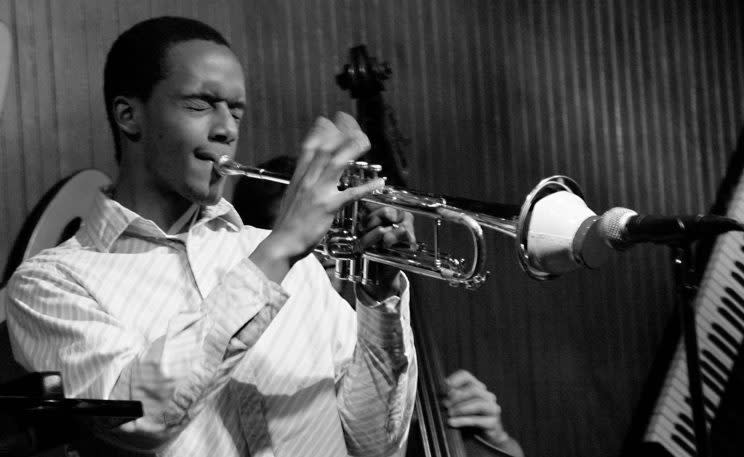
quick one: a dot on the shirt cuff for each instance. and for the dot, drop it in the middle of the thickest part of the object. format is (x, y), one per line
(382, 324)
(244, 296)
(390, 304)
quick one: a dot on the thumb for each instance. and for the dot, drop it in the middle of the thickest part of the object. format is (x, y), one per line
(355, 193)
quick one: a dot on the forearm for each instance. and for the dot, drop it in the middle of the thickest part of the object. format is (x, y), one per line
(377, 391)
(194, 360)
(101, 357)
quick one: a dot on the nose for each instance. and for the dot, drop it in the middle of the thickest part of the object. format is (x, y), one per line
(224, 127)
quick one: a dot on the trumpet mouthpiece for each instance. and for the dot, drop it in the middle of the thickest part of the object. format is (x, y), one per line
(222, 164)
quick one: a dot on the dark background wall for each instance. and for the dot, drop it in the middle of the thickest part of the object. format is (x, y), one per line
(640, 102)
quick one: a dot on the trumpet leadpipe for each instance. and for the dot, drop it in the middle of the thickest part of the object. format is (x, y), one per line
(226, 166)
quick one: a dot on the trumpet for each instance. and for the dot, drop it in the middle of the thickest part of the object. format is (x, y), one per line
(341, 243)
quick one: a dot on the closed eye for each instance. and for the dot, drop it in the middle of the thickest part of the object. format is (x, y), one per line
(237, 114)
(197, 105)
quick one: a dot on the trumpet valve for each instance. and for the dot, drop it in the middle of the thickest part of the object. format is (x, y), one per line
(374, 171)
(347, 176)
(360, 172)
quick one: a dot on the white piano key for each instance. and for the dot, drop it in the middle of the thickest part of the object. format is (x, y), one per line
(681, 384)
(722, 281)
(674, 403)
(729, 243)
(715, 341)
(728, 255)
(674, 398)
(728, 249)
(665, 439)
(734, 312)
(677, 400)
(662, 422)
(710, 313)
(715, 291)
(681, 423)
(705, 328)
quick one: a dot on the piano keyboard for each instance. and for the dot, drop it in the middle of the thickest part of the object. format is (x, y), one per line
(719, 316)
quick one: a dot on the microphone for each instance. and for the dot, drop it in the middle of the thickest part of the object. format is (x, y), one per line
(622, 228)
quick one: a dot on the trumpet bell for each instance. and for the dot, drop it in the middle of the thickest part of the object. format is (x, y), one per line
(551, 217)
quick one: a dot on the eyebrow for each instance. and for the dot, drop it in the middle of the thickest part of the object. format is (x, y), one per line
(212, 98)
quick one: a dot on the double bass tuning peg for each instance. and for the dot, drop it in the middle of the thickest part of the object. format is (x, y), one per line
(364, 75)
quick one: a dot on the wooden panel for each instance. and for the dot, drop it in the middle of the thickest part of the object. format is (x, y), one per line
(640, 102)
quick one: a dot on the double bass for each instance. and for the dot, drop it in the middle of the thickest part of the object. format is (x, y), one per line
(430, 436)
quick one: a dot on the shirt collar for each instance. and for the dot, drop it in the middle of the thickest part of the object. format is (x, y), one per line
(223, 211)
(108, 220)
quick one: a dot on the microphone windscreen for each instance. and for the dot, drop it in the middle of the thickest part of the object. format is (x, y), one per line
(553, 224)
(611, 226)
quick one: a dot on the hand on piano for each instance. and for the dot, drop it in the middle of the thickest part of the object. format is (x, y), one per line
(469, 403)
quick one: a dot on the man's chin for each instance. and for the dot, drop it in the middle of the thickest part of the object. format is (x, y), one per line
(206, 197)
(210, 199)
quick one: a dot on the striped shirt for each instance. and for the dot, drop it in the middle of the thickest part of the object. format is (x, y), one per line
(224, 361)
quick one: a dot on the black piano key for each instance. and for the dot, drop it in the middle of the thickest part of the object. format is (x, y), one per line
(724, 312)
(739, 265)
(737, 277)
(684, 422)
(731, 306)
(711, 382)
(725, 335)
(721, 345)
(736, 297)
(684, 417)
(710, 371)
(709, 408)
(716, 362)
(685, 432)
(683, 444)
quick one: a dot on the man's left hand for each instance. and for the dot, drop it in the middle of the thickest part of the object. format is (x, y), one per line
(386, 227)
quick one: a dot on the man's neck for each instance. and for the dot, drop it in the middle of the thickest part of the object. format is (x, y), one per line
(161, 208)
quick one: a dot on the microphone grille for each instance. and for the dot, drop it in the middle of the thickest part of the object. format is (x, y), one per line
(612, 225)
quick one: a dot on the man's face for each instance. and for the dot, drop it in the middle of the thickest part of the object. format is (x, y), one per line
(192, 114)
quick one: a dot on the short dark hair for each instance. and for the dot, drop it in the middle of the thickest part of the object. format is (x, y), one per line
(257, 201)
(134, 63)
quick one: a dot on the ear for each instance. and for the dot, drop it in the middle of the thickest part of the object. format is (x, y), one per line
(126, 115)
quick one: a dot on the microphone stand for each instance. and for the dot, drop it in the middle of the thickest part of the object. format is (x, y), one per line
(686, 290)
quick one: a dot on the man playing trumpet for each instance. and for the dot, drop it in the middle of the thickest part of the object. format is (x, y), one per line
(230, 336)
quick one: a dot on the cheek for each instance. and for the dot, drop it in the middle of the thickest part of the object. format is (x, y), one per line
(176, 142)
(176, 132)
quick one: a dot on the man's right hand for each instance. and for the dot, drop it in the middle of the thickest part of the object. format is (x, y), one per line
(313, 199)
